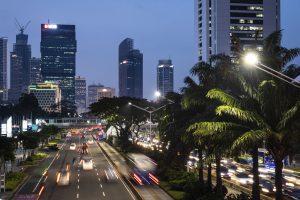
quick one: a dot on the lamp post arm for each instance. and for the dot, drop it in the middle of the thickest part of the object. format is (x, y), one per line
(277, 76)
(140, 108)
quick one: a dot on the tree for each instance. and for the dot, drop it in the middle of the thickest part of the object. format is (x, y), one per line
(7, 148)
(117, 112)
(29, 141)
(28, 106)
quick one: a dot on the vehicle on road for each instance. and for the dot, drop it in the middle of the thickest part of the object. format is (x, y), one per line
(142, 169)
(292, 193)
(72, 146)
(110, 174)
(267, 186)
(225, 172)
(90, 141)
(63, 177)
(242, 178)
(87, 163)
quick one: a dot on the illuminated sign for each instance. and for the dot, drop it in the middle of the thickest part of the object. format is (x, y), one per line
(50, 26)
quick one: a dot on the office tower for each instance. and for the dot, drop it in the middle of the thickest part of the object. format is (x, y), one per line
(218, 22)
(3, 69)
(58, 56)
(80, 94)
(130, 70)
(19, 67)
(105, 92)
(48, 96)
(165, 76)
(35, 70)
(92, 93)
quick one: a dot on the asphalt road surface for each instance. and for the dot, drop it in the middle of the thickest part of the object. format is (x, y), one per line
(84, 184)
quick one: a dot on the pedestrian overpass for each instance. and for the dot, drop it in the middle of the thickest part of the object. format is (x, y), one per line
(73, 122)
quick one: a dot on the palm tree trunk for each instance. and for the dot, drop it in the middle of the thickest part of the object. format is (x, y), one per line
(255, 186)
(209, 183)
(200, 167)
(278, 178)
(218, 174)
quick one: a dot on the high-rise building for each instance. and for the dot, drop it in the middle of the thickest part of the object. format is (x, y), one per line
(35, 70)
(105, 92)
(218, 22)
(3, 69)
(58, 56)
(19, 67)
(130, 70)
(48, 96)
(92, 93)
(165, 76)
(80, 94)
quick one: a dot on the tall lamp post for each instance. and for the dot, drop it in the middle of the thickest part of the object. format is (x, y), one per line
(150, 111)
(252, 59)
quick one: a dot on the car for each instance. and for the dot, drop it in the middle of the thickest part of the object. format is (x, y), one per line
(72, 146)
(63, 177)
(267, 186)
(87, 163)
(53, 148)
(292, 193)
(90, 141)
(242, 178)
(110, 174)
(225, 172)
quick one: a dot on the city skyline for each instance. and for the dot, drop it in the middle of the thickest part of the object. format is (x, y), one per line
(99, 33)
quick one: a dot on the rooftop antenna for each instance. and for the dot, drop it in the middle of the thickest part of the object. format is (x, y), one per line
(22, 28)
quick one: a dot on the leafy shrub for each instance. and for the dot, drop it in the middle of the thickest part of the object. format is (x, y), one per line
(13, 179)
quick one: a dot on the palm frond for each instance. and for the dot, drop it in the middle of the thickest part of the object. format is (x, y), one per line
(247, 88)
(249, 138)
(243, 115)
(274, 39)
(288, 115)
(215, 126)
(289, 54)
(224, 97)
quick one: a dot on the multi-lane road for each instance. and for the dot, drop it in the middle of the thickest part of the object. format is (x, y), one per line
(84, 184)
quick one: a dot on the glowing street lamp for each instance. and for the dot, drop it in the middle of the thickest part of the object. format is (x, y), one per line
(252, 59)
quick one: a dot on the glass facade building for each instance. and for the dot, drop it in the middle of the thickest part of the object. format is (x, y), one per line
(35, 70)
(130, 70)
(218, 22)
(80, 94)
(19, 67)
(165, 76)
(3, 69)
(58, 57)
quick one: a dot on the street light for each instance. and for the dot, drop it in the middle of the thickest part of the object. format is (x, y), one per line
(252, 59)
(149, 111)
(158, 95)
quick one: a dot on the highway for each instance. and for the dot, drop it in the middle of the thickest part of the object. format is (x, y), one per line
(84, 184)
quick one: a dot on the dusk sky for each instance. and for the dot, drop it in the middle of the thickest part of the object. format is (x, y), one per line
(161, 29)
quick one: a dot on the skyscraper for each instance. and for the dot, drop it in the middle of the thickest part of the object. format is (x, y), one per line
(19, 67)
(219, 21)
(165, 76)
(92, 93)
(35, 70)
(130, 70)
(58, 56)
(3, 69)
(105, 92)
(80, 94)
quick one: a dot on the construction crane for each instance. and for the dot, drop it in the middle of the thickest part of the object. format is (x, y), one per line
(21, 27)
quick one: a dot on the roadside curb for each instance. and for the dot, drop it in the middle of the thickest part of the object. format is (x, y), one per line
(128, 183)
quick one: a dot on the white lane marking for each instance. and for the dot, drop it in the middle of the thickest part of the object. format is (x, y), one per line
(78, 187)
(48, 168)
(78, 180)
(95, 169)
(97, 174)
(129, 191)
(78, 175)
(101, 185)
(77, 196)
(99, 179)
(103, 194)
